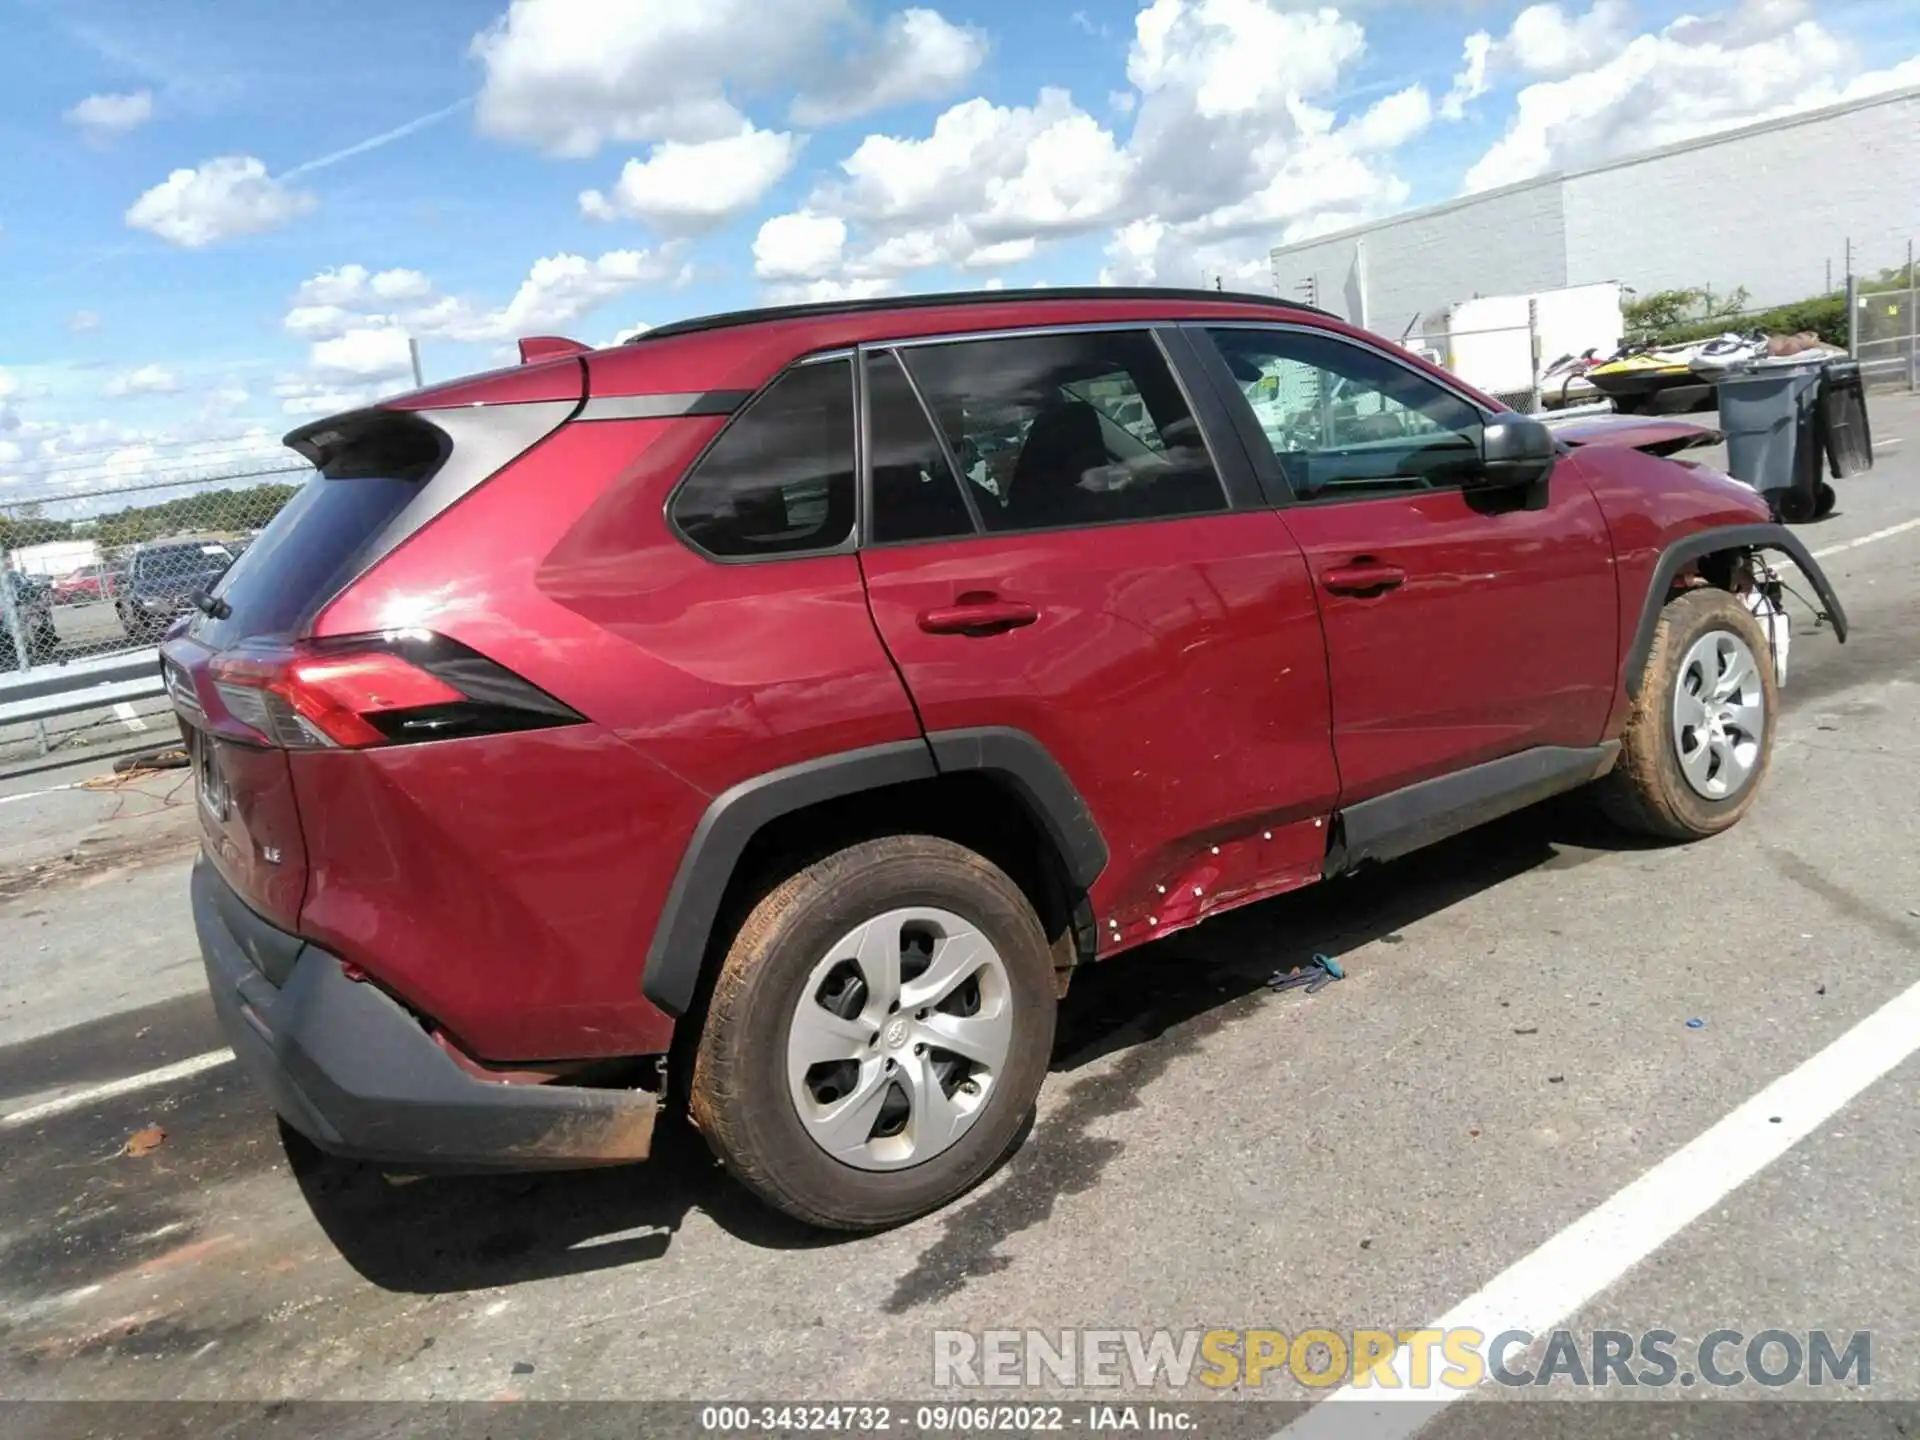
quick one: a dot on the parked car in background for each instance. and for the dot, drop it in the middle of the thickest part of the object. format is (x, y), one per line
(163, 579)
(690, 722)
(83, 586)
(32, 601)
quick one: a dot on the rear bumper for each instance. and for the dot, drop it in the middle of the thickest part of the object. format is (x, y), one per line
(355, 1072)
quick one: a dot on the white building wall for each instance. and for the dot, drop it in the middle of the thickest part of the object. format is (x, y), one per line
(1767, 208)
(1501, 243)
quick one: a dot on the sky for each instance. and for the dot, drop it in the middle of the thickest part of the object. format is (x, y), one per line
(219, 219)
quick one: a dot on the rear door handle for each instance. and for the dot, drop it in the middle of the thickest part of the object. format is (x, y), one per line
(1363, 578)
(978, 617)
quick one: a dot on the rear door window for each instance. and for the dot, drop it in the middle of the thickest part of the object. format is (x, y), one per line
(1082, 428)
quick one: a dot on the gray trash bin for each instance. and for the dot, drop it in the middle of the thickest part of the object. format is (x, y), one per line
(1770, 415)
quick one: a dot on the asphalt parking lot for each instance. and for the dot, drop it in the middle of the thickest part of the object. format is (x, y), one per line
(1511, 1049)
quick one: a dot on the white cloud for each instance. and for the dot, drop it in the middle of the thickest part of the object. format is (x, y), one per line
(1236, 142)
(360, 332)
(1544, 42)
(684, 189)
(103, 117)
(82, 321)
(988, 173)
(64, 462)
(318, 322)
(147, 380)
(569, 81)
(400, 285)
(815, 292)
(799, 246)
(366, 352)
(8, 386)
(561, 288)
(355, 285)
(1471, 83)
(1695, 76)
(918, 55)
(302, 395)
(219, 200)
(1239, 57)
(1876, 82)
(1392, 122)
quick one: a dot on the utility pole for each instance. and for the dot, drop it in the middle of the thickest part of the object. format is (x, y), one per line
(413, 354)
(1913, 324)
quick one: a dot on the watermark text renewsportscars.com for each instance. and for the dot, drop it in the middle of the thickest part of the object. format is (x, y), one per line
(1457, 1359)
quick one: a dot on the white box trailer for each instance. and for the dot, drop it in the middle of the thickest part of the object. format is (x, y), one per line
(56, 558)
(1489, 341)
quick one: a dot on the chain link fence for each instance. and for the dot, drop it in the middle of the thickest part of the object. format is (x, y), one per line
(92, 582)
(1884, 324)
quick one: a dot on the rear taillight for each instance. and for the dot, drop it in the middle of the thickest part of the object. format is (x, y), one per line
(367, 690)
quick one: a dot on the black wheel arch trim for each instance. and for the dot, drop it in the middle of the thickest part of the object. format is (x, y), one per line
(1689, 548)
(678, 951)
(1037, 780)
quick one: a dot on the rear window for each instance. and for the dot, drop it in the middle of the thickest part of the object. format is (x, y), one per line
(311, 548)
(369, 466)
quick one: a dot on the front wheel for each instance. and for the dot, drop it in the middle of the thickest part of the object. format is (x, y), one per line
(1700, 733)
(877, 1035)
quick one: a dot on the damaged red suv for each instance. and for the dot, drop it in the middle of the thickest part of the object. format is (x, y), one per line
(768, 715)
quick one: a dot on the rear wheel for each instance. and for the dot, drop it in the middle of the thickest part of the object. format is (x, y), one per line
(878, 1033)
(1701, 732)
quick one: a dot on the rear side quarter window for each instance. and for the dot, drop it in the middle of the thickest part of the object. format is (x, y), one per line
(780, 478)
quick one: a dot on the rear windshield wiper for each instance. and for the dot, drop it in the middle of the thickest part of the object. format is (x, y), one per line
(209, 605)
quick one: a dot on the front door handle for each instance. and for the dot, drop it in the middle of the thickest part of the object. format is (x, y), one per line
(1363, 578)
(978, 617)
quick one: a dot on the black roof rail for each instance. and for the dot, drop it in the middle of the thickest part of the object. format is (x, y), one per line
(821, 309)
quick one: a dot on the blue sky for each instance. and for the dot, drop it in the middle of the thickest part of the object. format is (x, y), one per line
(217, 219)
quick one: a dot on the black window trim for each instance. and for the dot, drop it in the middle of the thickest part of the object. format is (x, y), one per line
(1239, 485)
(851, 543)
(868, 353)
(1246, 425)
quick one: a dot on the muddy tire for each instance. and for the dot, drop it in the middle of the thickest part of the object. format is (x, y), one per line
(1700, 735)
(878, 1032)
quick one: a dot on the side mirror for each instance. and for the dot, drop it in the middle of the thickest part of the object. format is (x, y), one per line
(1515, 451)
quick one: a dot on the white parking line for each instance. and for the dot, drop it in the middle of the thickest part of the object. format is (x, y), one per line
(1888, 533)
(128, 717)
(1546, 1287)
(80, 1099)
(35, 794)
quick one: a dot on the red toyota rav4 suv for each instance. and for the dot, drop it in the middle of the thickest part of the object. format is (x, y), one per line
(771, 712)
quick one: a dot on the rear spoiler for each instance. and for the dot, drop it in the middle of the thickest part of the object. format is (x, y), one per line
(549, 347)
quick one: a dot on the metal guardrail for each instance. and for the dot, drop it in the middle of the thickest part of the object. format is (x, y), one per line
(48, 690)
(88, 591)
